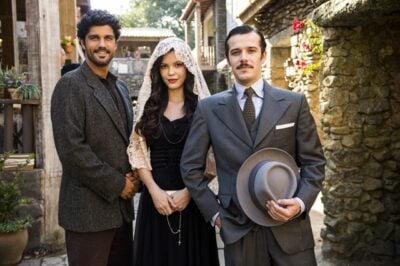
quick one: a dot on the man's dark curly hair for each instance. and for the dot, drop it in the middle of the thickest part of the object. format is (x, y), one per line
(97, 17)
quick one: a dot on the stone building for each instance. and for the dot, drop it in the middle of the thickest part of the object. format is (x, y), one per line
(205, 27)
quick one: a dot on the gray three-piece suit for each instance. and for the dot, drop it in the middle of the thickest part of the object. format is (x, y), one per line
(284, 122)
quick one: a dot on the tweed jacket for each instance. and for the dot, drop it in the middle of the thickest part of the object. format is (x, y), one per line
(285, 122)
(91, 142)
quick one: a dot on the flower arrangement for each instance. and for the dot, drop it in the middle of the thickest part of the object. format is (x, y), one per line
(309, 53)
(18, 84)
(11, 78)
(29, 90)
(68, 43)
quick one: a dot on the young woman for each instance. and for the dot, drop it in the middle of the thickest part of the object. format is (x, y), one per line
(169, 228)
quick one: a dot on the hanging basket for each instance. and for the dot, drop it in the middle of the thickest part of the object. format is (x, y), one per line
(68, 48)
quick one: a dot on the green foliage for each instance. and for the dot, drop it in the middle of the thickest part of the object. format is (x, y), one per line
(309, 42)
(155, 13)
(11, 78)
(11, 199)
(313, 35)
(30, 91)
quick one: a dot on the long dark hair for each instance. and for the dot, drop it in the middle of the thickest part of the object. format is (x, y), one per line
(149, 124)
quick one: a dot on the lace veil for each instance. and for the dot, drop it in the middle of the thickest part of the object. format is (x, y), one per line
(183, 54)
(137, 150)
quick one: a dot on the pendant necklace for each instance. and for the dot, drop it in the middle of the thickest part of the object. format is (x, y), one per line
(178, 231)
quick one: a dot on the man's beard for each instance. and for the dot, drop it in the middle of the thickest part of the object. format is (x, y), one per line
(96, 61)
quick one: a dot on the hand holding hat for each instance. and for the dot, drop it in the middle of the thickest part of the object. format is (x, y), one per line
(266, 176)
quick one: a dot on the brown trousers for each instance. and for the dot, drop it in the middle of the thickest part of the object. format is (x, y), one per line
(106, 248)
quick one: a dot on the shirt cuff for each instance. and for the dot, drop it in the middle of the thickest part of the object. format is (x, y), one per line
(302, 206)
(214, 218)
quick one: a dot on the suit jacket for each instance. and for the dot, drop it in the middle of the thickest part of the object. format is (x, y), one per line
(218, 121)
(91, 142)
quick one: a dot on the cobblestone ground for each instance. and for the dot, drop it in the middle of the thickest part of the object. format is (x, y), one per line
(316, 220)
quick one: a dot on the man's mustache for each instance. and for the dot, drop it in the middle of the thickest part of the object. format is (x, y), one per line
(101, 49)
(244, 66)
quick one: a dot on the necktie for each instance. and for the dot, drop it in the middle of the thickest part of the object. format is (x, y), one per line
(249, 112)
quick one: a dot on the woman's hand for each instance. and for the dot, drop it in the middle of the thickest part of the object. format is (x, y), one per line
(162, 201)
(181, 199)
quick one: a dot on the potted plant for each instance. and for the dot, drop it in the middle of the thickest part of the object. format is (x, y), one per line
(11, 80)
(13, 227)
(17, 85)
(29, 90)
(68, 44)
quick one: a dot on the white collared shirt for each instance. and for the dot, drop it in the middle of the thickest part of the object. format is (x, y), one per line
(257, 98)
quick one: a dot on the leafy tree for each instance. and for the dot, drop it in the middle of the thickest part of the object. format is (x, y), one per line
(155, 13)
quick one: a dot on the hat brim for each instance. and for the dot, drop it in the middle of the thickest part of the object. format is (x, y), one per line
(257, 215)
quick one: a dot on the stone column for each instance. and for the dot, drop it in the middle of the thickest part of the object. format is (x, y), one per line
(42, 23)
(220, 28)
(360, 103)
(198, 32)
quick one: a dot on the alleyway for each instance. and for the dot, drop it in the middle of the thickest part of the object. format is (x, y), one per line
(316, 219)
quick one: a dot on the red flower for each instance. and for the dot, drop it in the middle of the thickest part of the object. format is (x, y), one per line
(297, 24)
(306, 46)
(300, 63)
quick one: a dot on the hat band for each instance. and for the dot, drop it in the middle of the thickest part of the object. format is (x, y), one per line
(251, 183)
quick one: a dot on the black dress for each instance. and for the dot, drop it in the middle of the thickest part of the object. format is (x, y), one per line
(156, 241)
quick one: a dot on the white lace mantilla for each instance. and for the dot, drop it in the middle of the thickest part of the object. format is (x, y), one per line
(137, 149)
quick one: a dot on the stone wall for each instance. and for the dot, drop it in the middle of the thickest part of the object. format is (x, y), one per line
(131, 71)
(279, 15)
(360, 104)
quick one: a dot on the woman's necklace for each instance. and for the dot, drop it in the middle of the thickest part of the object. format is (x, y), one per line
(174, 142)
(178, 231)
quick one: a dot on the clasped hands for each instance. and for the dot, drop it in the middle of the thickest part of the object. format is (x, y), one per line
(167, 204)
(132, 184)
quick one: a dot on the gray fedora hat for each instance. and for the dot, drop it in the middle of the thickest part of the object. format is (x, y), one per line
(268, 174)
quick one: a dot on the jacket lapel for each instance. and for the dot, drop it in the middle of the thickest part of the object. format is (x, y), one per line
(104, 98)
(274, 106)
(230, 114)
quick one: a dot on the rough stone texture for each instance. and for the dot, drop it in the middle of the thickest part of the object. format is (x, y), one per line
(279, 15)
(361, 188)
(356, 97)
(131, 71)
(355, 12)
